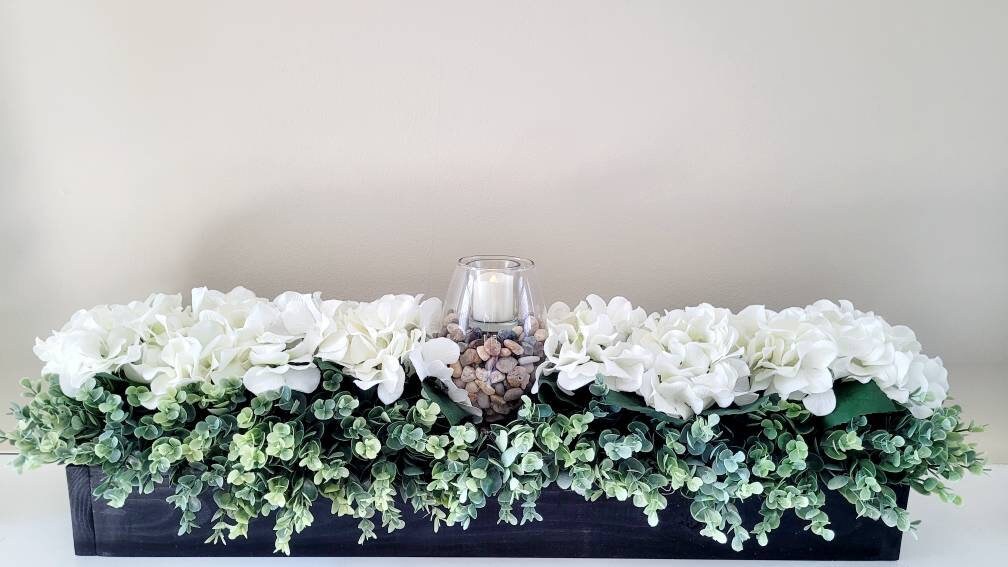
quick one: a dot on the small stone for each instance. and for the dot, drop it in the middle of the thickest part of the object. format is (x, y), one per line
(492, 346)
(468, 374)
(456, 369)
(490, 364)
(506, 335)
(482, 373)
(482, 352)
(496, 376)
(505, 351)
(500, 388)
(452, 317)
(532, 324)
(458, 382)
(519, 331)
(500, 408)
(528, 360)
(521, 370)
(528, 368)
(540, 335)
(475, 334)
(482, 400)
(496, 398)
(472, 388)
(513, 394)
(525, 382)
(455, 332)
(514, 380)
(516, 348)
(469, 357)
(484, 387)
(506, 364)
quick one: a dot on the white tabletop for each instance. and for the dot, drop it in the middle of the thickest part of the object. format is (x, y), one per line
(35, 531)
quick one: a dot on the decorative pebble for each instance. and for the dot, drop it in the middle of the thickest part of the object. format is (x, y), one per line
(529, 360)
(513, 394)
(458, 382)
(491, 363)
(540, 335)
(471, 387)
(468, 374)
(482, 352)
(482, 400)
(496, 376)
(519, 331)
(516, 348)
(469, 357)
(500, 388)
(506, 364)
(484, 387)
(497, 399)
(505, 351)
(456, 369)
(506, 335)
(502, 409)
(475, 334)
(528, 368)
(532, 324)
(455, 332)
(514, 380)
(452, 317)
(520, 370)
(492, 346)
(482, 373)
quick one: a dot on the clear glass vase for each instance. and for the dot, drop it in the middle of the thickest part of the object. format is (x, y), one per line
(494, 312)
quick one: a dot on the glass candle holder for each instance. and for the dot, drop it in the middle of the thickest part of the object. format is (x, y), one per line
(494, 312)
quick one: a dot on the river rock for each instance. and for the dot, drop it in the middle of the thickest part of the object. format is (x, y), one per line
(506, 364)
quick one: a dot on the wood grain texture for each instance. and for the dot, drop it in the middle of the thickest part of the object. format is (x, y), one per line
(571, 527)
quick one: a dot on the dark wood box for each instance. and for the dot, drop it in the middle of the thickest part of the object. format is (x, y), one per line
(571, 527)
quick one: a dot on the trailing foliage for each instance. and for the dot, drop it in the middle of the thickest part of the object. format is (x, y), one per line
(278, 453)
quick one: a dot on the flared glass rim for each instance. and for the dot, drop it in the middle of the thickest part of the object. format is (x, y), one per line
(509, 263)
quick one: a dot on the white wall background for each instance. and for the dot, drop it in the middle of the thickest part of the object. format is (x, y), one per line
(730, 152)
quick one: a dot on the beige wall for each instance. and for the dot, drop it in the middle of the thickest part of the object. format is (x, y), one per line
(674, 153)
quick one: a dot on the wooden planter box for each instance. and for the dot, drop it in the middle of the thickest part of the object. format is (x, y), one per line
(571, 527)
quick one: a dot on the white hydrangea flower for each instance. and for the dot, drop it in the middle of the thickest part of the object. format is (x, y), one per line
(92, 341)
(215, 348)
(870, 349)
(697, 362)
(294, 326)
(107, 338)
(585, 342)
(373, 339)
(931, 381)
(790, 354)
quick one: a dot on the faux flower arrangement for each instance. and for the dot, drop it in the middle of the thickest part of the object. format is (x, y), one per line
(270, 406)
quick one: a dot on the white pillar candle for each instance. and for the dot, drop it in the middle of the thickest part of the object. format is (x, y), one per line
(493, 297)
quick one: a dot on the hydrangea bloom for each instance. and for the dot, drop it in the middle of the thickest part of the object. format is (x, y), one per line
(586, 341)
(214, 348)
(697, 362)
(294, 327)
(373, 339)
(789, 354)
(107, 338)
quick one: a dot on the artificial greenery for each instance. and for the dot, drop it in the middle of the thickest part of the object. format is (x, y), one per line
(276, 454)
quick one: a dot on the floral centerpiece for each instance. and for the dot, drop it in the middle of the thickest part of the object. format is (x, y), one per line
(272, 405)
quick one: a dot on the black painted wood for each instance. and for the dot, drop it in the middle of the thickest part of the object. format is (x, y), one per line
(571, 527)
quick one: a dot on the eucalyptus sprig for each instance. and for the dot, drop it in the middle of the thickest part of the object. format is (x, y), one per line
(282, 451)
